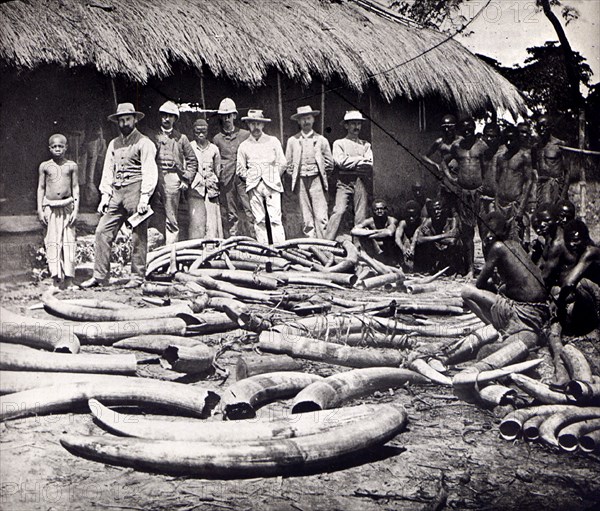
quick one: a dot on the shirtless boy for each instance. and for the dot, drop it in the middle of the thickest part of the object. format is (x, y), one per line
(57, 208)
(521, 311)
(514, 178)
(544, 225)
(377, 233)
(469, 153)
(406, 238)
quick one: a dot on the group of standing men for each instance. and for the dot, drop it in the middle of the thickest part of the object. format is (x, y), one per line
(235, 180)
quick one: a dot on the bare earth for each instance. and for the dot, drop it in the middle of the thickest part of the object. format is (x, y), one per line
(451, 455)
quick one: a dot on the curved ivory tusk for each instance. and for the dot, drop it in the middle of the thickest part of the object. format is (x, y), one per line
(334, 391)
(539, 390)
(243, 277)
(497, 395)
(251, 459)
(568, 437)
(577, 365)
(19, 381)
(269, 427)
(252, 364)
(420, 366)
(107, 332)
(531, 427)
(155, 343)
(120, 390)
(21, 358)
(313, 349)
(79, 313)
(584, 392)
(37, 333)
(387, 281)
(512, 424)
(241, 399)
(468, 347)
(471, 376)
(556, 422)
(590, 442)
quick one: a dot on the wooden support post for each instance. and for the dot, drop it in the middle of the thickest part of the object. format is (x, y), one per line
(280, 106)
(322, 108)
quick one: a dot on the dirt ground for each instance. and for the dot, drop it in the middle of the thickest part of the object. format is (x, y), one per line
(450, 456)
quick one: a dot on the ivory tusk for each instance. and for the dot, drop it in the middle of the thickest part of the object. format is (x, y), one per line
(269, 427)
(468, 347)
(155, 343)
(556, 422)
(251, 459)
(252, 364)
(387, 281)
(249, 279)
(472, 377)
(531, 427)
(539, 390)
(21, 358)
(334, 391)
(420, 366)
(577, 365)
(590, 442)
(512, 424)
(177, 397)
(78, 313)
(584, 392)
(569, 437)
(188, 359)
(321, 351)
(241, 399)
(107, 332)
(37, 333)
(497, 395)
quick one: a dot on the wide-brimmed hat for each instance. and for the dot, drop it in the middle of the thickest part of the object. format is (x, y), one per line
(304, 110)
(169, 108)
(256, 116)
(353, 115)
(226, 107)
(125, 109)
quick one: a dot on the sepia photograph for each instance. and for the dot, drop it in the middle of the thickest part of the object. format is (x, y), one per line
(300, 255)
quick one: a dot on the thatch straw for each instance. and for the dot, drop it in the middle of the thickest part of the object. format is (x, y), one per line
(303, 39)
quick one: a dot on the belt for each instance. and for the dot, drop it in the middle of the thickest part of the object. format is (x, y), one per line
(169, 166)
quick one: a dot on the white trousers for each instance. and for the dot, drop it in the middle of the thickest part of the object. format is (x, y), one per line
(259, 196)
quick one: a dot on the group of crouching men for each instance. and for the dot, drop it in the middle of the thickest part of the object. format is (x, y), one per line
(503, 183)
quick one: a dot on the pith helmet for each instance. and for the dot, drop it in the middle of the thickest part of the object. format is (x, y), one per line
(169, 108)
(448, 120)
(227, 106)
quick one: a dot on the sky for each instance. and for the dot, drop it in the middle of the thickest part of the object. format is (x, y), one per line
(506, 28)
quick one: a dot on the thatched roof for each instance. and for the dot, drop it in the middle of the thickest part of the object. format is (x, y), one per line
(243, 39)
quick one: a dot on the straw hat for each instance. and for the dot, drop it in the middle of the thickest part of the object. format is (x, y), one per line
(169, 108)
(256, 115)
(304, 110)
(226, 107)
(353, 115)
(125, 109)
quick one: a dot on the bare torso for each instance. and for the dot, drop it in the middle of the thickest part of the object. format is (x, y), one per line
(513, 173)
(470, 163)
(489, 174)
(550, 161)
(58, 178)
(521, 277)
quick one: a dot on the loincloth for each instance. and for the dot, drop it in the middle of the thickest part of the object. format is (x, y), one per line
(469, 205)
(57, 203)
(512, 317)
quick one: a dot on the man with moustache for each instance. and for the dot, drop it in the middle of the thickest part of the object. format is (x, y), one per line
(129, 178)
(309, 163)
(353, 160)
(260, 163)
(177, 167)
(235, 203)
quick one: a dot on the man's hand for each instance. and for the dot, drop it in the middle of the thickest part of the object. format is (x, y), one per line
(103, 206)
(183, 186)
(42, 217)
(142, 206)
(72, 217)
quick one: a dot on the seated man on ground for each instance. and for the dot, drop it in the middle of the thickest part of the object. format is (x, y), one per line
(376, 234)
(520, 309)
(574, 273)
(406, 233)
(437, 243)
